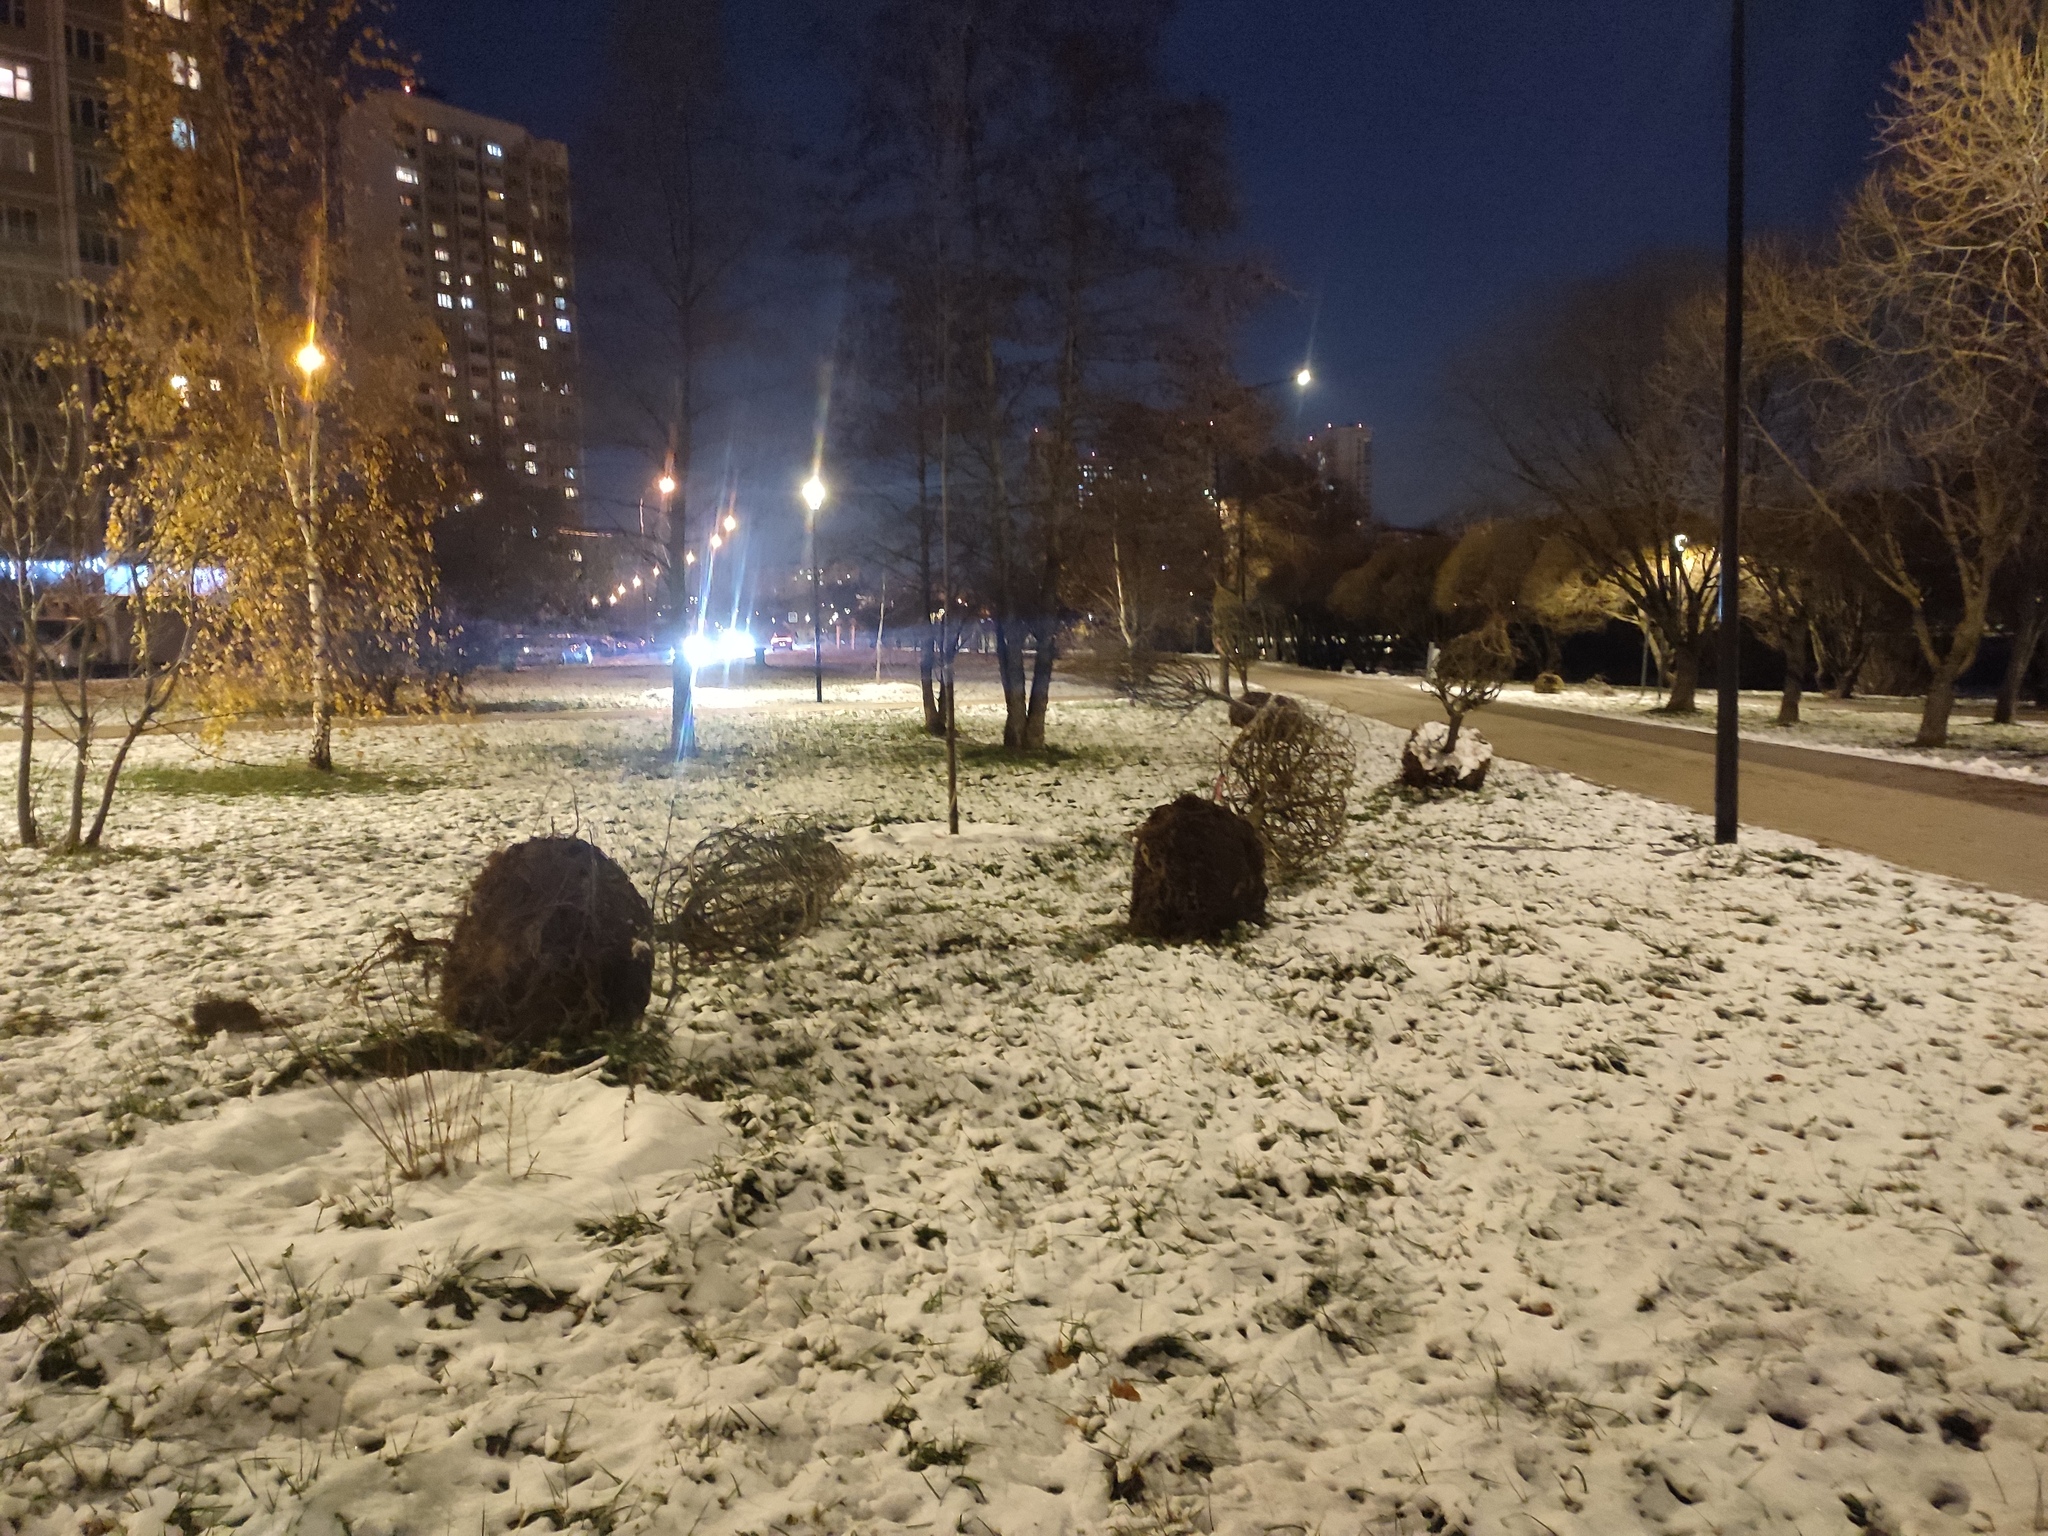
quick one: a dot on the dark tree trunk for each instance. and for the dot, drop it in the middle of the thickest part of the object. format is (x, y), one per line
(1935, 710)
(1685, 681)
(1795, 674)
(2026, 643)
(1041, 693)
(1010, 668)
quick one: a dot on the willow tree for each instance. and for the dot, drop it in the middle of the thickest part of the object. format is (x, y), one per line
(264, 440)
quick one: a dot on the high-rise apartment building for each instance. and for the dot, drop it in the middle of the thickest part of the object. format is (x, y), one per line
(464, 221)
(56, 201)
(1343, 456)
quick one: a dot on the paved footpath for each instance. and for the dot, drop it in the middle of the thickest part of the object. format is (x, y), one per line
(1993, 832)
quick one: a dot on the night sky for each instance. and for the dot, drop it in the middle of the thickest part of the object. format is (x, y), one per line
(1413, 169)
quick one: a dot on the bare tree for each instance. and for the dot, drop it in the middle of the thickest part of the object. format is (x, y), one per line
(48, 514)
(681, 202)
(1587, 404)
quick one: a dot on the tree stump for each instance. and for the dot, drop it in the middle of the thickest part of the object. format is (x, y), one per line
(554, 945)
(1200, 870)
(1426, 765)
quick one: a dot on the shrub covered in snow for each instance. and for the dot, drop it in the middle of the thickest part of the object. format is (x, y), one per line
(1431, 760)
(1289, 774)
(751, 889)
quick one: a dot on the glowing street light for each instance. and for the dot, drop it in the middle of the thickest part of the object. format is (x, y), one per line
(310, 358)
(666, 485)
(1303, 379)
(731, 522)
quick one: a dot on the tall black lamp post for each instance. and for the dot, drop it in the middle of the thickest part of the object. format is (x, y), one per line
(1727, 735)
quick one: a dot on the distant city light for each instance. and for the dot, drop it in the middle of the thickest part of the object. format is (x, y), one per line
(814, 493)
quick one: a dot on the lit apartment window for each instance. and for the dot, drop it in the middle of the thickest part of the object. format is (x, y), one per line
(568, 474)
(445, 300)
(184, 70)
(504, 287)
(441, 233)
(17, 83)
(518, 247)
(177, 10)
(519, 269)
(509, 375)
(476, 440)
(449, 369)
(433, 135)
(569, 494)
(447, 279)
(510, 421)
(561, 303)
(183, 134)
(441, 253)
(468, 302)
(408, 175)
(562, 323)
(495, 151)
(452, 415)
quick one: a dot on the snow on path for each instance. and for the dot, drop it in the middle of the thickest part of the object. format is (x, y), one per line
(1541, 1167)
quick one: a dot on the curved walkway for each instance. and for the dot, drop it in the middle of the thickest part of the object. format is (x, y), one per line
(1992, 832)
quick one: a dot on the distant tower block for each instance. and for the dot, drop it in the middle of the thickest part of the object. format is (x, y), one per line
(1343, 457)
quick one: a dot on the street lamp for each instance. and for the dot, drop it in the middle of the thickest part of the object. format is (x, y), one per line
(814, 502)
(1727, 729)
(310, 359)
(1304, 378)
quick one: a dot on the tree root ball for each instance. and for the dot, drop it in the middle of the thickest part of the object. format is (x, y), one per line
(553, 945)
(1200, 870)
(1425, 764)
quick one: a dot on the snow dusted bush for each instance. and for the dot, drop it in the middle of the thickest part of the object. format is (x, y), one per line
(1289, 774)
(1467, 674)
(751, 889)
(1431, 760)
(1549, 682)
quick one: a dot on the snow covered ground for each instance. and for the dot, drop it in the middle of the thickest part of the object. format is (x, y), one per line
(1539, 1168)
(1873, 727)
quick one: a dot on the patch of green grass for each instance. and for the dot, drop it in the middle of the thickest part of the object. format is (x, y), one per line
(239, 780)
